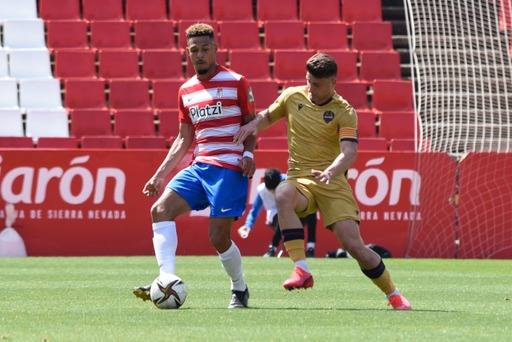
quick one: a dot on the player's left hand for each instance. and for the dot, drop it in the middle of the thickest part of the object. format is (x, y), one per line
(323, 176)
(248, 166)
(244, 231)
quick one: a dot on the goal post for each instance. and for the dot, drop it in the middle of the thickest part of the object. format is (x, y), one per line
(461, 67)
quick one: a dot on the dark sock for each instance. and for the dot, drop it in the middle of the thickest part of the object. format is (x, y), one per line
(311, 224)
(276, 239)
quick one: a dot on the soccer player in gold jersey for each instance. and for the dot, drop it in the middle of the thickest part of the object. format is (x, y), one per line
(322, 140)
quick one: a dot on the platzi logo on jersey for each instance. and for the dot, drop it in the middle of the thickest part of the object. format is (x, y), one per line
(197, 112)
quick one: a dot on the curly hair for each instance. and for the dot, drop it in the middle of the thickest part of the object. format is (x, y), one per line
(322, 65)
(199, 30)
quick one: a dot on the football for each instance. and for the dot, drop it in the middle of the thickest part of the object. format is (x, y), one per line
(168, 293)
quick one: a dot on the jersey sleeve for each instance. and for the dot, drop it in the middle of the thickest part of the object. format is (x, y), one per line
(245, 97)
(255, 210)
(348, 123)
(182, 111)
(278, 109)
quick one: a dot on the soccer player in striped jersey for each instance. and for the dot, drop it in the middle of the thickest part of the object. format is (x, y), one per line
(322, 140)
(213, 105)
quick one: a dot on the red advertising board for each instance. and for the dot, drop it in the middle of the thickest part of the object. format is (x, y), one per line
(433, 235)
(485, 206)
(391, 192)
(79, 202)
(89, 202)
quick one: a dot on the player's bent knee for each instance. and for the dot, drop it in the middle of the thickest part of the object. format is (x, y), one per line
(286, 197)
(157, 210)
(161, 212)
(284, 204)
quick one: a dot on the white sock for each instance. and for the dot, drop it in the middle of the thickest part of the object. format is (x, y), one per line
(302, 264)
(232, 262)
(165, 241)
(396, 292)
(310, 245)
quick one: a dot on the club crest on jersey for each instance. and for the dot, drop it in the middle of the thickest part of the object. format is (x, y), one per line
(219, 93)
(328, 116)
(197, 112)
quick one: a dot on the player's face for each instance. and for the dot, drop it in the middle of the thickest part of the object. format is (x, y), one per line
(202, 54)
(320, 89)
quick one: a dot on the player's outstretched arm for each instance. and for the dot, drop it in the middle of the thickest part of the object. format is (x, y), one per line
(245, 230)
(260, 122)
(176, 153)
(341, 164)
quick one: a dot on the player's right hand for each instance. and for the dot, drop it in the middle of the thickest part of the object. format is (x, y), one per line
(323, 176)
(153, 186)
(244, 232)
(246, 130)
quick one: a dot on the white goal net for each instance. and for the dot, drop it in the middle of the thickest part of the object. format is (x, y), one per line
(460, 55)
(462, 76)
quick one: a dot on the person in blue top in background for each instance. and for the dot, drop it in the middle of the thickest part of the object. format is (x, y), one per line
(266, 197)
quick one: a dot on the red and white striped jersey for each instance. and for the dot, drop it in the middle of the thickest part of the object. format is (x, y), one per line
(215, 107)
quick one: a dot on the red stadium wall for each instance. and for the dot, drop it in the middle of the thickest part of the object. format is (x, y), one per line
(89, 202)
(485, 206)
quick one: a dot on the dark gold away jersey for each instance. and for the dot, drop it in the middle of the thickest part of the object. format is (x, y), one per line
(314, 132)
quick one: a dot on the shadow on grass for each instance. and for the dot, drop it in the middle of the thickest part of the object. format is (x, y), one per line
(251, 308)
(352, 309)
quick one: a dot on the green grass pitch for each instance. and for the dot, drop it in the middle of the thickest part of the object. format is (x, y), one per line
(89, 299)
